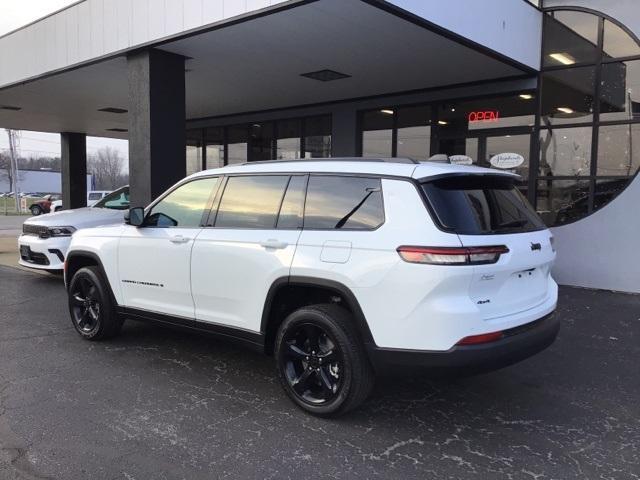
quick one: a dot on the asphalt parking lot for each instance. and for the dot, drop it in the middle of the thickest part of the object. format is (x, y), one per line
(160, 404)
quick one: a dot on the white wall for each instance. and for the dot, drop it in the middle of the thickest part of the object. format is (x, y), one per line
(40, 181)
(510, 27)
(94, 28)
(601, 251)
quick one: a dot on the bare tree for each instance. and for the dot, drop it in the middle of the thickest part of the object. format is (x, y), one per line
(106, 166)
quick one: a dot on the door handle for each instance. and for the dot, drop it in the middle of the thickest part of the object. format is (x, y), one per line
(273, 243)
(179, 239)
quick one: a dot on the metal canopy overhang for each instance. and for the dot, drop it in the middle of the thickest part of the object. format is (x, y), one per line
(256, 64)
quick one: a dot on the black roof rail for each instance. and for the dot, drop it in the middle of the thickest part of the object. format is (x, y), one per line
(338, 159)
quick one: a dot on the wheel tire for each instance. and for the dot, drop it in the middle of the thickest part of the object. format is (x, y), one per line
(35, 210)
(355, 376)
(91, 306)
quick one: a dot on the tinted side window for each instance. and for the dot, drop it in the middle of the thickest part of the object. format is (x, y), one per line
(183, 207)
(118, 200)
(251, 201)
(292, 209)
(335, 202)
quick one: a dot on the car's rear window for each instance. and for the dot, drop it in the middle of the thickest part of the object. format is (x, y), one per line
(481, 205)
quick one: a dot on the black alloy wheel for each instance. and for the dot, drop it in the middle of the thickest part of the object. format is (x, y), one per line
(312, 363)
(85, 305)
(91, 305)
(321, 360)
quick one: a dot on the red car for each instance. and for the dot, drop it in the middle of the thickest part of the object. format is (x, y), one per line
(42, 206)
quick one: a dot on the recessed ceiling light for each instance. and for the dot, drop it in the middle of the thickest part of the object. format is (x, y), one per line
(387, 111)
(442, 122)
(10, 107)
(113, 110)
(453, 109)
(565, 110)
(526, 96)
(325, 75)
(117, 130)
(563, 58)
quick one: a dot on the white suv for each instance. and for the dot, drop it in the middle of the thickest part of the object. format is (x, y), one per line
(339, 268)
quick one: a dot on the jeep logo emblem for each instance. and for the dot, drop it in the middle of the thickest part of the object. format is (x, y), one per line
(536, 246)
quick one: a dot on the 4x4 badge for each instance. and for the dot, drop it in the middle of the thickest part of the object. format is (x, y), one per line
(535, 246)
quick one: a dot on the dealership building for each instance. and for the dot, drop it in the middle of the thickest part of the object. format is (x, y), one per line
(196, 84)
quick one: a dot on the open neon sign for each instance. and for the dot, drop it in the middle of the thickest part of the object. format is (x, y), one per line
(484, 116)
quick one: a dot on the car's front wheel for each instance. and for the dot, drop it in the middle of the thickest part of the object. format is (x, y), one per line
(91, 307)
(36, 210)
(321, 361)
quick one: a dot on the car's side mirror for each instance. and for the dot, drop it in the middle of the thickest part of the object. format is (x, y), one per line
(135, 216)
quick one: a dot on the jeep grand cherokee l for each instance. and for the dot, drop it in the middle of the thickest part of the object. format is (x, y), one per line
(338, 268)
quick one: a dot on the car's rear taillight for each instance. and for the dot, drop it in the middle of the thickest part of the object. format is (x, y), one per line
(452, 255)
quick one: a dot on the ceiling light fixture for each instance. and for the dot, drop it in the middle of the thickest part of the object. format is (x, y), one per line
(565, 110)
(117, 130)
(113, 110)
(387, 111)
(325, 75)
(442, 122)
(526, 96)
(10, 107)
(563, 58)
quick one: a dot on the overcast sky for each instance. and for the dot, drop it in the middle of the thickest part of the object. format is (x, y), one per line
(15, 14)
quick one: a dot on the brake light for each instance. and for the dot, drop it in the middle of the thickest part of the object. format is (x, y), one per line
(477, 339)
(452, 255)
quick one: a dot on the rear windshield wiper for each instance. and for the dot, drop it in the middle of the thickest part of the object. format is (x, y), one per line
(512, 224)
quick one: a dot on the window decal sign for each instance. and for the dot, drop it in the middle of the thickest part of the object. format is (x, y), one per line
(461, 160)
(484, 116)
(507, 160)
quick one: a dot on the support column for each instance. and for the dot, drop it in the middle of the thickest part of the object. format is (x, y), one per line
(74, 170)
(157, 138)
(344, 132)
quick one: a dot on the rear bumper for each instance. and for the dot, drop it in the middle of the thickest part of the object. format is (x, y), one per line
(520, 343)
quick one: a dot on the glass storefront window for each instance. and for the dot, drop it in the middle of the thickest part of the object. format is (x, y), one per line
(261, 141)
(214, 143)
(567, 95)
(569, 37)
(565, 152)
(618, 147)
(377, 133)
(617, 42)
(194, 151)
(516, 110)
(414, 132)
(562, 201)
(237, 146)
(518, 144)
(288, 142)
(606, 190)
(317, 137)
(620, 91)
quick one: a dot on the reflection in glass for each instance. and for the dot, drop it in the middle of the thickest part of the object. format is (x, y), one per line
(194, 151)
(562, 201)
(617, 42)
(292, 209)
(565, 151)
(237, 146)
(607, 190)
(567, 95)
(620, 91)
(343, 203)
(496, 112)
(414, 132)
(377, 133)
(251, 201)
(317, 140)
(261, 141)
(214, 143)
(618, 150)
(288, 141)
(569, 37)
(183, 207)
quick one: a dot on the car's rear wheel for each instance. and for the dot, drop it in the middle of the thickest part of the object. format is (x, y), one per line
(91, 307)
(321, 361)
(36, 210)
